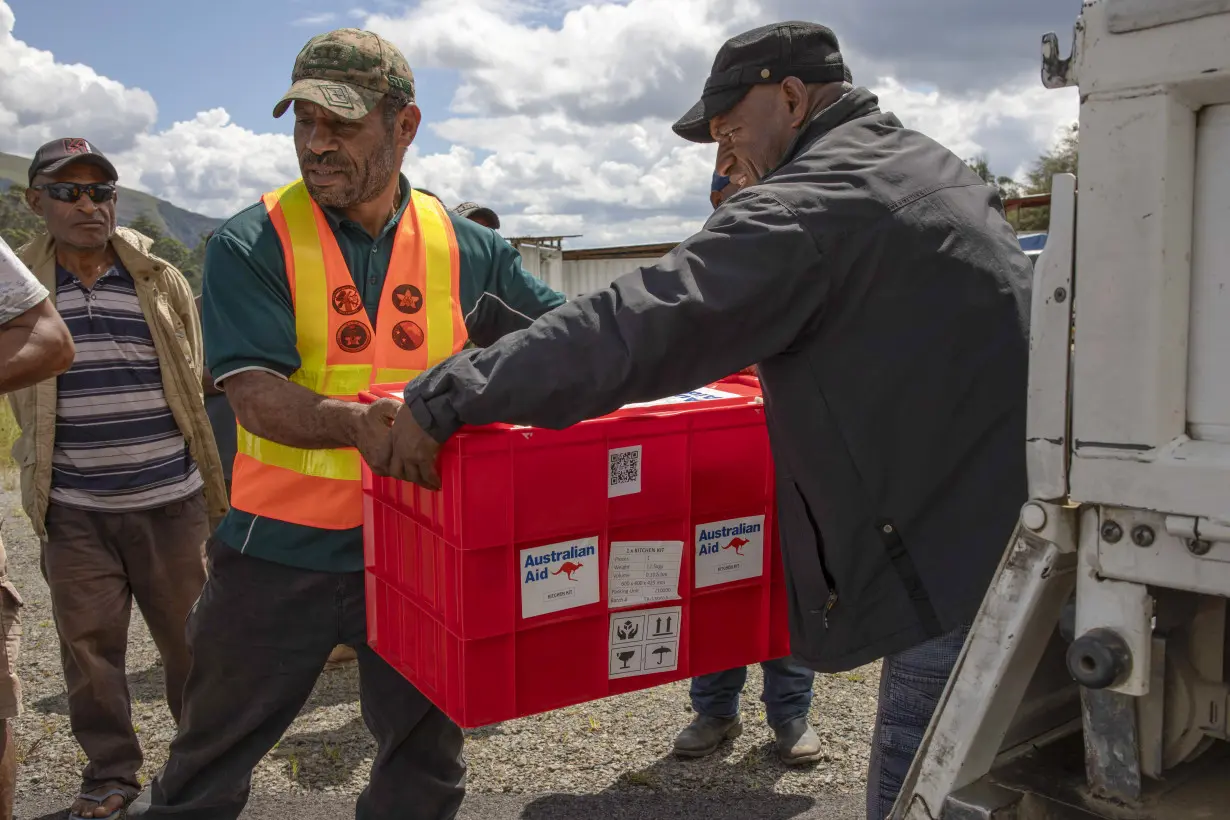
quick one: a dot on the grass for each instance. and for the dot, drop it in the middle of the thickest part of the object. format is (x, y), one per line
(8, 434)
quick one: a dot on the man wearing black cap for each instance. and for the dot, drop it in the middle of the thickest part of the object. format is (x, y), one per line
(120, 474)
(872, 276)
(479, 213)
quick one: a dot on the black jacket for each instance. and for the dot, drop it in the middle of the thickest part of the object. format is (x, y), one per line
(873, 277)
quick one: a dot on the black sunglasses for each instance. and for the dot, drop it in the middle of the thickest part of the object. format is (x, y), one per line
(71, 191)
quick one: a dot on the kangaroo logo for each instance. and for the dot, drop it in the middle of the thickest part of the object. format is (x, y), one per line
(737, 544)
(568, 568)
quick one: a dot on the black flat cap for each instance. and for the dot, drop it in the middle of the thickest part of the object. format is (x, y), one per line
(768, 54)
(56, 154)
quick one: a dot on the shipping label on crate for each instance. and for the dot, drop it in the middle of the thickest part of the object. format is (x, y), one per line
(559, 576)
(699, 394)
(645, 642)
(731, 550)
(643, 572)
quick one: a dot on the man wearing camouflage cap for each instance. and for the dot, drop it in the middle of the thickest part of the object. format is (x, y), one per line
(343, 279)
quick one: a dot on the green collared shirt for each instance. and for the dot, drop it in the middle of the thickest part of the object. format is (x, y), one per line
(249, 323)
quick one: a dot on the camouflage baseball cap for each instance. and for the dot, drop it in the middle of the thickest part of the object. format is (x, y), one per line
(347, 71)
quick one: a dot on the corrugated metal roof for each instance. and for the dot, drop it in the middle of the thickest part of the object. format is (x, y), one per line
(620, 252)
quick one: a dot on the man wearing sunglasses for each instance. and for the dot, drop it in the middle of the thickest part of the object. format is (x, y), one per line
(120, 471)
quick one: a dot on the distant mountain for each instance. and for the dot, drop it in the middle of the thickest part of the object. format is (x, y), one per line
(185, 226)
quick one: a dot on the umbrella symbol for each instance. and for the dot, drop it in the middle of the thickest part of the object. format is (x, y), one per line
(626, 656)
(660, 652)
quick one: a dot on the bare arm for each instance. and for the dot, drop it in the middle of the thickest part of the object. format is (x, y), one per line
(34, 346)
(282, 411)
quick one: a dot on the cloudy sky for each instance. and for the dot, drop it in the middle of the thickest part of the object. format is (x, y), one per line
(555, 112)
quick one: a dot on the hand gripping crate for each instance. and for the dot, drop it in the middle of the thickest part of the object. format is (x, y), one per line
(559, 567)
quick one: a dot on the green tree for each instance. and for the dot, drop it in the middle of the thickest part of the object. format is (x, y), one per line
(144, 223)
(1007, 186)
(18, 224)
(194, 267)
(1059, 160)
(165, 246)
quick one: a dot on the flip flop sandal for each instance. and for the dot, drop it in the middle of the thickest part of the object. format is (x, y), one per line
(100, 799)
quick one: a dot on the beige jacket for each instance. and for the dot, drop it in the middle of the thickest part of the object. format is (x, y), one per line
(166, 301)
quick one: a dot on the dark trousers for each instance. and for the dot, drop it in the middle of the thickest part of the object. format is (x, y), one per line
(95, 564)
(260, 635)
(911, 685)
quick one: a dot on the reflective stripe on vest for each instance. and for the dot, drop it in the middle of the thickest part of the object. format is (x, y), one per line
(418, 324)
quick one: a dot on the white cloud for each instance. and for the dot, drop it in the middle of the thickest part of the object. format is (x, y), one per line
(572, 120)
(605, 62)
(208, 164)
(561, 120)
(41, 99)
(315, 20)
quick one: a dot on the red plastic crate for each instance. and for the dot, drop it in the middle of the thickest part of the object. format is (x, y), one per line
(493, 595)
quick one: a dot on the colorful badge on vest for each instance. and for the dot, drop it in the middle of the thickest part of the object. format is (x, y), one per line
(407, 299)
(353, 337)
(408, 335)
(346, 300)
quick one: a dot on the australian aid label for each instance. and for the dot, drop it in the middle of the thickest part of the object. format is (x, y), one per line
(730, 550)
(559, 576)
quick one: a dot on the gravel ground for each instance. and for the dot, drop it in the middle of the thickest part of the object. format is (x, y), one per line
(615, 749)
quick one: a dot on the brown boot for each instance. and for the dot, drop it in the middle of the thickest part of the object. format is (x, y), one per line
(340, 656)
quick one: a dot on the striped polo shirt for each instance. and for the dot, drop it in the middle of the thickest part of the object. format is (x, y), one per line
(117, 446)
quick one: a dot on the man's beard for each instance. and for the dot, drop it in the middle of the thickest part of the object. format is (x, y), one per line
(364, 181)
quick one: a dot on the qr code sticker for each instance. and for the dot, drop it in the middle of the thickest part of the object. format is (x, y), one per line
(624, 477)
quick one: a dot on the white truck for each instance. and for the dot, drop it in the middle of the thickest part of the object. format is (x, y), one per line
(1118, 575)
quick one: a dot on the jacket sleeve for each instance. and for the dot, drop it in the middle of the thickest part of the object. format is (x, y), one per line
(185, 308)
(739, 291)
(511, 299)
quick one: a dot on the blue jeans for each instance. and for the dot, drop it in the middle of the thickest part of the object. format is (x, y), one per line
(911, 685)
(787, 692)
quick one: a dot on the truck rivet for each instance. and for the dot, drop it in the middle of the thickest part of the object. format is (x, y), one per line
(1033, 517)
(1111, 532)
(1197, 546)
(1061, 295)
(1142, 536)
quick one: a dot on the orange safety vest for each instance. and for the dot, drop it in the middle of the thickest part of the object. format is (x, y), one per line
(419, 324)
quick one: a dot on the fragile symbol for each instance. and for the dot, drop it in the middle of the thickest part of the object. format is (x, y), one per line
(658, 629)
(626, 656)
(737, 544)
(660, 652)
(627, 630)
(568, 568)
